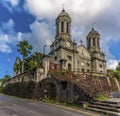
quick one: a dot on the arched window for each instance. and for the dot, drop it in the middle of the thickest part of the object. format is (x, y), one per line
(93, 41)
(62, 27)
(69, 67)
(67, 27)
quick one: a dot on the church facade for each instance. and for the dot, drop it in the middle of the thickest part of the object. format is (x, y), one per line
(65, 53)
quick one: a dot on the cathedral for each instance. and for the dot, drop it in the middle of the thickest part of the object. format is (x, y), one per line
(65, 54)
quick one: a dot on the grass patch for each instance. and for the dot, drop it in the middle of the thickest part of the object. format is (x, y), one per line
(72, 105)
(1, 89)
(101, 97)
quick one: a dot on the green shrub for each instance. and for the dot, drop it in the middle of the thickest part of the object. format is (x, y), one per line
(101, 97)
(1, 89)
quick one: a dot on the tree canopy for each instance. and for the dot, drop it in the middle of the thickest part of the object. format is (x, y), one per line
(24, 48)
(117, 72)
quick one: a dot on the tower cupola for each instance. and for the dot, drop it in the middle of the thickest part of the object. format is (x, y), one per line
(93, 41)
(63, 25)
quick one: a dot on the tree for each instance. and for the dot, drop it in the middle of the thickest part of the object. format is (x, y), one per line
(118, 67)
(6, 78)
(25, 49)
(33, 61)
(117, 72)
(17, 68)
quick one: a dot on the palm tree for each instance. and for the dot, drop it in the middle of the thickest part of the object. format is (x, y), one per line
(37, 57)
(34, 61)
(25, 49)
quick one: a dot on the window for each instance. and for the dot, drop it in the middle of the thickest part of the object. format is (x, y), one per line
(88, 64)
(62, 27)
(55, 58)
(100, 65)
(67, 27)
(88, 70)
(93, 41)
(69, 57)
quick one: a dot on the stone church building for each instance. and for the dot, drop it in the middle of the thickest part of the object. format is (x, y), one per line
(67, 55)
(87, 64)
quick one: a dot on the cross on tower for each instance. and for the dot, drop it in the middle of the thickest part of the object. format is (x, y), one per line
(81, 41)
(63, 8)
(93, 24)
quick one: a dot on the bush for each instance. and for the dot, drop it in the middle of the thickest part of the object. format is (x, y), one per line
(1, 89)
(101, 97)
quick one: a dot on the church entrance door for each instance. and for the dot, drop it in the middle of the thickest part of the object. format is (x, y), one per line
(69, 67)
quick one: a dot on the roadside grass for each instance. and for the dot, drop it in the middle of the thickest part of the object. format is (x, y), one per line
(72, 105)
(1, 89)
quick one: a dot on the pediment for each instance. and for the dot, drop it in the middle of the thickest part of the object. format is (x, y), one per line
(83, 51)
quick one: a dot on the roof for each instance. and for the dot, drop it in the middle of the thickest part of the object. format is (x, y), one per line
(63, 13)
(93, 32)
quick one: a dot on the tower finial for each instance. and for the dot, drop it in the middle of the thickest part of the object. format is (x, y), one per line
(93, 24)
(81, 42)
(63, 9)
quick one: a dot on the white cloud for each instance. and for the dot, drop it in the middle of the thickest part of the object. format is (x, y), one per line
(8, 36)
(13, 2)
(112, 64)
(83, 13)
(5, 48)
(41, 34)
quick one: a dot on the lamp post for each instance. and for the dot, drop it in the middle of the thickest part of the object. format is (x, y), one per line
(44, 49)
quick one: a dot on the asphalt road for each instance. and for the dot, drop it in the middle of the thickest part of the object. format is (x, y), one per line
(11, 106)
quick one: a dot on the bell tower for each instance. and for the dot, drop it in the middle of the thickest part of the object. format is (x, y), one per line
(93, 41)
(63, 25)
(97, 56)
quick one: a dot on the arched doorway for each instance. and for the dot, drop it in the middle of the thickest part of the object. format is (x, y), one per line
(83, 70)
(48, 88)
(69, 67)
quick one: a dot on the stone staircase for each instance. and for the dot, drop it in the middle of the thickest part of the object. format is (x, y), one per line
(109, 108)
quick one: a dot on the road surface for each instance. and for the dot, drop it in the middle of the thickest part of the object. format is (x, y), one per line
(11, 106)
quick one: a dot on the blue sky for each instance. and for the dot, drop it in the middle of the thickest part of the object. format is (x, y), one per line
(34, 20)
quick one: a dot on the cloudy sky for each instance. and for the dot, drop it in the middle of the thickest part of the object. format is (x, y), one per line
(34, 20)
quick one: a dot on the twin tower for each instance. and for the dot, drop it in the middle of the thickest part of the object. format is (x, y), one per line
(69, 56)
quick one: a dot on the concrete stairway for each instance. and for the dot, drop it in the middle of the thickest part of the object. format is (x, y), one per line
(109, 108)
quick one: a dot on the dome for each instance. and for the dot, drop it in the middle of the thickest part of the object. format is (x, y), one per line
(63, 13)
(93, 32)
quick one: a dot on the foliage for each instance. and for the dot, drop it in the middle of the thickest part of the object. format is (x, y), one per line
(110, 72)
(25, 49)
(6, 78)
(60, 103)
(118, 67)
(1, 89)
(33, 61)
(101, 97)
(116, 72)
(17, 67)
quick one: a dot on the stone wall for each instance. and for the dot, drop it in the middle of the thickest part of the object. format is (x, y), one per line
(34, 75)
(65, 87)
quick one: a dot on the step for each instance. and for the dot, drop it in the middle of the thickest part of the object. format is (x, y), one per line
(101, 111)
(106, 104)
(104, 108)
